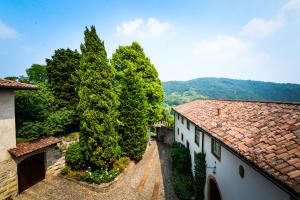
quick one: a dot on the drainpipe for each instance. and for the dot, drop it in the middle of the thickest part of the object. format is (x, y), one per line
(202, 146)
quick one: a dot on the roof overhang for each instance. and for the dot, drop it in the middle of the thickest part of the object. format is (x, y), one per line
(26, 148)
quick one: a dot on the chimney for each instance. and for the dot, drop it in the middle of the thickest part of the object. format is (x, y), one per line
(218, 111)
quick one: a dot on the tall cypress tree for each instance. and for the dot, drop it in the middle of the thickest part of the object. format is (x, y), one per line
(97, 104)
(153, 86)
(133, 114)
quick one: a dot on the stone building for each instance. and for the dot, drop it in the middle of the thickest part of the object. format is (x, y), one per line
(252, 148)
(22, 165)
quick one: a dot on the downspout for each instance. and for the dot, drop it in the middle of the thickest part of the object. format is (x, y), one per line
(202, 146)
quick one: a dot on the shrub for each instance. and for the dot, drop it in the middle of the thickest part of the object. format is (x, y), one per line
(74, 157)
(31, 130)
(66, 170)
(57, 123)
(121, 163)
(200, 175)
(181, 159)
(99, 177)
(183, 185)
(182, 176)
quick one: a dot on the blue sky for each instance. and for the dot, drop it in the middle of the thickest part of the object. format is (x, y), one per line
(257, 40)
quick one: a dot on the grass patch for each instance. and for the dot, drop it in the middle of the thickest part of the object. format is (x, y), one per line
(71, 136)
(22, 140)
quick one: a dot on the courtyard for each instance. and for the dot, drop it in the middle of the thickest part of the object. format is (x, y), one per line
(148, 179)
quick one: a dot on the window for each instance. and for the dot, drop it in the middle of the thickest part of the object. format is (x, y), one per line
(182, 120)
(181, 137)
(178, 116)
(197, 137)
(187, 145)
(241, 171)
(178, 131)
(188, 124)
(216, 148)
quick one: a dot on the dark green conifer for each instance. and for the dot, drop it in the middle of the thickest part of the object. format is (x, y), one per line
(97, 104)
(133, 114)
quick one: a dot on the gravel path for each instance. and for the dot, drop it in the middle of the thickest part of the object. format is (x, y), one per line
(148, 179)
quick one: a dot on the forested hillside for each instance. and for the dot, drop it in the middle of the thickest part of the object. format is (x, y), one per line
(177, 92)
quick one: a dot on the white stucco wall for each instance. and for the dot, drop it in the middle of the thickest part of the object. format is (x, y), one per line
(8, 167)
(231, 185)
(7, 123)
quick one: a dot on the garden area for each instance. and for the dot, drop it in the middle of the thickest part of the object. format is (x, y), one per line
(109, 103)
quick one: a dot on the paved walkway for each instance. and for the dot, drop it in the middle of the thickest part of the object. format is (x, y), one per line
(148, 179)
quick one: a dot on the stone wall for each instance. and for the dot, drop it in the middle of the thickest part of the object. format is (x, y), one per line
(165, 135)
(8, 179)
(55, 161)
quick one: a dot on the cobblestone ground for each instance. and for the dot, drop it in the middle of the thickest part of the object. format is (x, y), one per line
(148, 179)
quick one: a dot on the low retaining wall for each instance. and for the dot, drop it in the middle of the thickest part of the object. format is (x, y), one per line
(8, 179)
(55, 161)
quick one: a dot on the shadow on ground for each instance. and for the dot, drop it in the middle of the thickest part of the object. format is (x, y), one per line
(166, 164)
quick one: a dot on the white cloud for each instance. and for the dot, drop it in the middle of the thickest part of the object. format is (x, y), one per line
(156, 27)
(6, 31)
(131, 27)
(137, 27)
(260, 28)
(228, 51)
(291, 5)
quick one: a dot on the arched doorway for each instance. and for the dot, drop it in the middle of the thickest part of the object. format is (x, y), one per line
(214, 193)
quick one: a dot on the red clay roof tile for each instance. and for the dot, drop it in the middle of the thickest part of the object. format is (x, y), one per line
(8, 84)
(266, 133)
(29, 147)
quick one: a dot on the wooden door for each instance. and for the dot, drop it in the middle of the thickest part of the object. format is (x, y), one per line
(31, 170)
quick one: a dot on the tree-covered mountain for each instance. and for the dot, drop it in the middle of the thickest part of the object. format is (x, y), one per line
(177, 92)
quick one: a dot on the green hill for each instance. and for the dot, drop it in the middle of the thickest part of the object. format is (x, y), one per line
(177, 92)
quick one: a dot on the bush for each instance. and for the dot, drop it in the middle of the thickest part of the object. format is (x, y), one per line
(121, 163)
(57, 123)
(31, 130)
(99, 177)
(66, 170)
(182, 176)
(200, 175)
(183, 185)
(74, 156)
(181, 158)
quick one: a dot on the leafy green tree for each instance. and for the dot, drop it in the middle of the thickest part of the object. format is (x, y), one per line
(133, 114)
(98, 104)
(12, 78)
(32, 109)
(61, 70)
(153, 86)
(37, 73)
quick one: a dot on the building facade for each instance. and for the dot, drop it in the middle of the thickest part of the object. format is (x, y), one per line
(230, 174)
(22, 165)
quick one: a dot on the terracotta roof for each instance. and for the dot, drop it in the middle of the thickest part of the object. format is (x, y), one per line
(29, 147)
(266, 134)
(8, 84)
